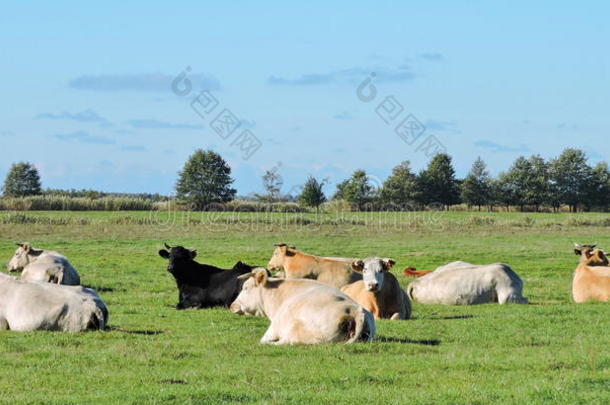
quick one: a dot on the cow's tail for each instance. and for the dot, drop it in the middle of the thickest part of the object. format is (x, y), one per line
(99, 318)
(358, 327)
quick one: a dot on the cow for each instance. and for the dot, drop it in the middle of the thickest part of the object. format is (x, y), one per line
(592, 276)
(43, 265)
(303, 311)
(296, 264)
(461, 283)
(33, 305)
(379, 291)
(202, 285)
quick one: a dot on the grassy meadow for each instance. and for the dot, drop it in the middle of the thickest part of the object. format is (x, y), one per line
(549, 352)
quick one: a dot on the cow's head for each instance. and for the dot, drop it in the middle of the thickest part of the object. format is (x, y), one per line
(177, 255)
(373, 269)
(249, 300)
(279, 254)
(590, 255)
(22, 257)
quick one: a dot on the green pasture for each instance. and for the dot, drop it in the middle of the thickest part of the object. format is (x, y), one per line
(551, 351)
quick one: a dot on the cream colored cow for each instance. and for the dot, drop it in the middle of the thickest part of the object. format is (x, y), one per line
(32, 305)
(303, 311)
(43, 265)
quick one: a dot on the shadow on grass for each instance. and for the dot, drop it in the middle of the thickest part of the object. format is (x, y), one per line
(449, 318)
(423, 342)
(134, 331)
(100, 288)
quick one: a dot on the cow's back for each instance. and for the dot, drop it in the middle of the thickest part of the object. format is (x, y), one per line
(462, 283)
(34, 305)
(591, 283)
(51, 266)
(335, 272)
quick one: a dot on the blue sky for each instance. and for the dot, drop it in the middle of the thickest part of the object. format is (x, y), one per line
(87, 97)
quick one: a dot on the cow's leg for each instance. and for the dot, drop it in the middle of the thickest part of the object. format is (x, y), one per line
(3, 323)
(270, 337)
(396, 316)
(510, 295)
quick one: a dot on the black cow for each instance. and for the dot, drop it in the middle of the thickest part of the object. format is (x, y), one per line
(202, 285)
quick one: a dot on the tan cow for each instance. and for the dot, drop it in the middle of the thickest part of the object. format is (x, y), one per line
(379, 291)
(592, 276)
(303, 311)
(296, 264)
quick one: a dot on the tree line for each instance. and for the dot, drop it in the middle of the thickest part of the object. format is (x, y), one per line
(531, 183)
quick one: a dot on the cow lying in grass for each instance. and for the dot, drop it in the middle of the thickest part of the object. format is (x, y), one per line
(43, 265)
(303, 311)
(30, 305)
(336, 272)
(379, 291)
(592, 276)
(202, 285)
(462, 283)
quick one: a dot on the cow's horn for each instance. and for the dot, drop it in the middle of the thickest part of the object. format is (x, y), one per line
(168, 247)
(245, 276)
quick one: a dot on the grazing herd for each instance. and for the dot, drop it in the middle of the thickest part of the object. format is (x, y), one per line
(310, 299)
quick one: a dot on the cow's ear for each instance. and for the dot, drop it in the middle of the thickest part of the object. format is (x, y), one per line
(26, 247)
(357, 265)
(193, 254)
(34, 252)
(578, 252)
(261, 277)
(388, 263)
(164, 253)
(288, 251)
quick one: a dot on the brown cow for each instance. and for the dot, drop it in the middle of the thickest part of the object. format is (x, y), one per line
(413, 272)
(592, 276)
(296, 264)
(379, 291)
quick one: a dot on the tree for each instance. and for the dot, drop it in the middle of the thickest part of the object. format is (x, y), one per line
(476, 188)
(313, 193)
(272, 181)
(401, 187)
(205, 179)
(538, 182)
(599, 190)
(356, 190)
(570, 178)
(502, 191)
(437, 183)
(22, 180)
(528, 180)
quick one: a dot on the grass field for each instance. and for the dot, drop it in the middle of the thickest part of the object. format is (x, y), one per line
(551, 351)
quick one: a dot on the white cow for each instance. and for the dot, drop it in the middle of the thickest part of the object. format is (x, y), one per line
(32, 305)
(303, 311)
(43, 265)
(462, 283)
